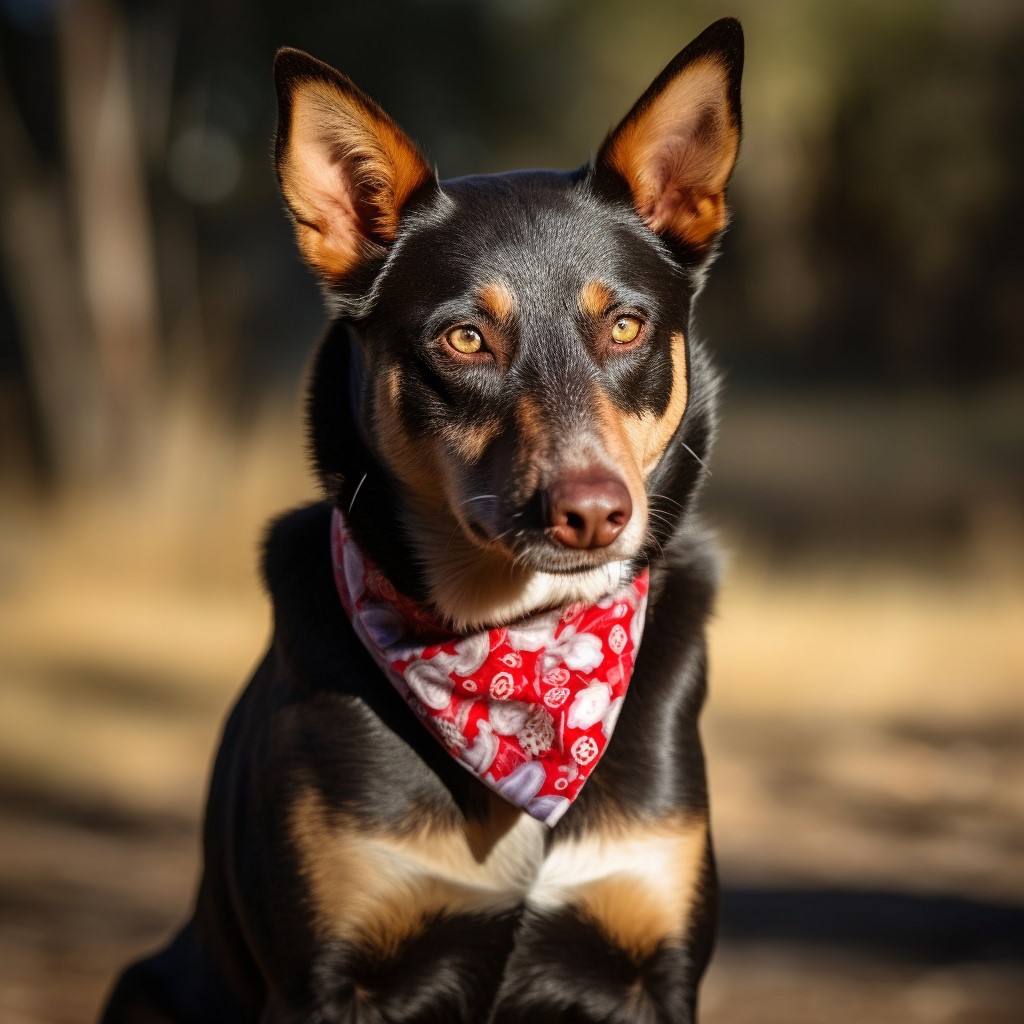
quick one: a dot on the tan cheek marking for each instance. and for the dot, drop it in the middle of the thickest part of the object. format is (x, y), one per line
(411, 460)
(470, 443)
(530, 421)
(378, 890)
(530, 447)
(648, 435)
(393, 385)
(497, 300)
(594, 298)
(619, 447)
(638, 884)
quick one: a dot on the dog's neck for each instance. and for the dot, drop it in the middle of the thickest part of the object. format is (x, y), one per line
(366, 493)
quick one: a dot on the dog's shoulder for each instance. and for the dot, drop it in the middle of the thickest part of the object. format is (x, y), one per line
(684, 587)
(332, 696)
(296, 569)
(314, 647)
(296, 551)
(690, 571)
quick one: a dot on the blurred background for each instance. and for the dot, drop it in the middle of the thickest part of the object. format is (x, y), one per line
(867, 712)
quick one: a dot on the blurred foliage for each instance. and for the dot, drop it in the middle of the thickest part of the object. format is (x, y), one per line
(145, 254)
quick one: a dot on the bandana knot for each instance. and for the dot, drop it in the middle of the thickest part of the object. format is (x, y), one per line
(529, 707)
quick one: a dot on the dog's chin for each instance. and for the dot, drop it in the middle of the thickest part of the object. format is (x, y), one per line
(561, 570)
(542, 555)
(558, 563)
(476, 584)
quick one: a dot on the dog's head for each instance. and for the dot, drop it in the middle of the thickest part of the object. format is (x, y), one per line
(510, 400)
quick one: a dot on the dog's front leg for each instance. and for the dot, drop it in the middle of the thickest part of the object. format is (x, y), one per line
(445, 972)
(618, 929)
(395, 925)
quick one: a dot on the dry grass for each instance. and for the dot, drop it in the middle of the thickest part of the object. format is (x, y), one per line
(871, 640)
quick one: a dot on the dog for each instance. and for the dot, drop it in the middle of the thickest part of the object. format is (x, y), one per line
(418, 812)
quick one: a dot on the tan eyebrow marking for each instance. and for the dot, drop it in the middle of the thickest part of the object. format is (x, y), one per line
(497, 300)
(595, 297)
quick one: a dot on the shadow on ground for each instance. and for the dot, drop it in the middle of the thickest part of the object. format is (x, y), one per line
(88, 887)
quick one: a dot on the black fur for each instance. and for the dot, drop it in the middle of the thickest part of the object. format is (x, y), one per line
(319, 716)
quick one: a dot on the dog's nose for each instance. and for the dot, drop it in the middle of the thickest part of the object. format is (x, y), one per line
(586, 511)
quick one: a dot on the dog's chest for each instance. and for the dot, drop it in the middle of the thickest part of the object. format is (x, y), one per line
(495, 863)
(379, 887)
(363, 881)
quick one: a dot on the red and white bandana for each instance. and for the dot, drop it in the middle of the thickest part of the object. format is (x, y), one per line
(528, 708)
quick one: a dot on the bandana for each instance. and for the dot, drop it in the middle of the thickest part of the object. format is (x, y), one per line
(528, 708)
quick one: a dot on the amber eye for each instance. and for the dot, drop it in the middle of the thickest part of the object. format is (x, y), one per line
(466, 340)
(625, 330)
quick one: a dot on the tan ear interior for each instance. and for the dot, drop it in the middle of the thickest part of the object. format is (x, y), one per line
(346, 172)
(677, 151)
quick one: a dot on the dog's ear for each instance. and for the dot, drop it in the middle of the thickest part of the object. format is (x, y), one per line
(345, 169)
(676, 148)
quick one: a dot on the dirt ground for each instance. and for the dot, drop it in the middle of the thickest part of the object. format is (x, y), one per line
(863, 735)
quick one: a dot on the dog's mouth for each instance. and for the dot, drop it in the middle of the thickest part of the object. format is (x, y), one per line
(537, 550)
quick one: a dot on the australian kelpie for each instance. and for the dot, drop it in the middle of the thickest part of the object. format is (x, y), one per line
(419, 812)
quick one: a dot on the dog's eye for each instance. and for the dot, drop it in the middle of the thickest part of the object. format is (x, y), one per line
(467, 340)
(625, 330)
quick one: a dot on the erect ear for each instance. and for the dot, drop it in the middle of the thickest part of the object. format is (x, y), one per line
(676, 148)
(345, 169)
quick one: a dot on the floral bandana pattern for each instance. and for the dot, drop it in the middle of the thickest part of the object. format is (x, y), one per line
(528, 708)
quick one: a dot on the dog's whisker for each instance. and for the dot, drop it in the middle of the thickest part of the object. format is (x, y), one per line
(697, 457)
(659, 517)
(505, 533)
(661, 548)
(657, 513)
(665, 497)
(355, 493)
(451, 537)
